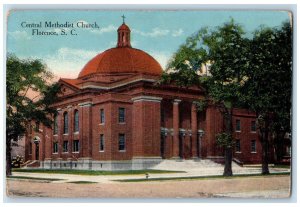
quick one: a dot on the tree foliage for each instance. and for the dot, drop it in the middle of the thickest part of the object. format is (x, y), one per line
(28, 97)
(253, 73)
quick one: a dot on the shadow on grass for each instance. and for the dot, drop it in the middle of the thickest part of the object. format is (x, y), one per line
(33, 178)
(200, 177)
(82, 182)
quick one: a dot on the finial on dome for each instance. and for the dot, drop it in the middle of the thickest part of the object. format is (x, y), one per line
(123, 35)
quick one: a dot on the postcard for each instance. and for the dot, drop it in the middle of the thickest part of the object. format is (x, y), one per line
(149, 103)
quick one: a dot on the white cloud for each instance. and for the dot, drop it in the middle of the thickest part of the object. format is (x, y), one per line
(109, 28)
(19, 35)
(159, 32)
(68, 62)
(161, 57)
(155, 32)
(177, 33)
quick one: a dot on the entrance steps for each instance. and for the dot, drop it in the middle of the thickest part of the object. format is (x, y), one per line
(206, 167)
(31, 164)
(187, 164)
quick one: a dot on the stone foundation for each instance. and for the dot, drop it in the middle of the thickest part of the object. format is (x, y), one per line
(137, 163)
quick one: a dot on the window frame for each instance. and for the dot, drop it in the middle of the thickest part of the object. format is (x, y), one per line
(55, 148)
(78, 146)
(67, 149)
(251, 127)
(122, 121)
(66, 122)
(251, 146)
(121, 135)
(76, 121)
(55, 125)
(102, 116)
(238, 129)
(238, 146)
(101, 143)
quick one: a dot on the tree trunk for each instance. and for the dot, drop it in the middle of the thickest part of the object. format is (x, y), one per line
(279, 146)
(228, 162)
(265, 156)
(8, 156)
(228, 149)
(265, 148)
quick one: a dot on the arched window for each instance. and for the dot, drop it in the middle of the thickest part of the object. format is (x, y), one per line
(76, 121)
(55, 127)
(66, 123)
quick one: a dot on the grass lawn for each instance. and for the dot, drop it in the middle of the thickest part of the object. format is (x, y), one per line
(201, 177)
(94, 172)
(34, 178)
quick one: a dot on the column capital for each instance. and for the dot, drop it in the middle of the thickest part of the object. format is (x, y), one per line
(85, 104)
(147, 98)
(194, 102)
(176, 101)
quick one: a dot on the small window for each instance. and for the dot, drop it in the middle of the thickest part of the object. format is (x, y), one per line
(238, 125)
(76, 146)
(101, 142)
(76, 121)
(55, 147)
(253, 145)
(121, 115)
(30, 148)
(65, 146)
(37, 126)
(66, 123)
(253, 126)
(102, 116)
(55, 127)
(238, 145)
(121, 142)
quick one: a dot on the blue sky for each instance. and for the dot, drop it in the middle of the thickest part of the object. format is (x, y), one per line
(159, 33)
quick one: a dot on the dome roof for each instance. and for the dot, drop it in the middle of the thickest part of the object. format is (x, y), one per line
(123, 27)
(122, 60)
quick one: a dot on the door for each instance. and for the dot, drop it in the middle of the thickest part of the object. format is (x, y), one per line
(37, 151)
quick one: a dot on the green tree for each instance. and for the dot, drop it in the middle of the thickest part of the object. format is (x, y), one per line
(22, 78)
(269, 85)
(225, 50)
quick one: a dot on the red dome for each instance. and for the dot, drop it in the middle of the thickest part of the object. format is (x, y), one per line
(122, 60)
(123, 27)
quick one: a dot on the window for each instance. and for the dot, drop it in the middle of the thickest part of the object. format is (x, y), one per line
(55, 127)
(76, 121)
(121, 115)
(55, 147)
(76, 146)
(30, 148)
(238, 145)
(37, 126)
(162, 116)
(66, 123)
(102, 116)
(253, 126)
(101, 142)
(253, 145)
(65, 146)
(121, 142)
(238, 125)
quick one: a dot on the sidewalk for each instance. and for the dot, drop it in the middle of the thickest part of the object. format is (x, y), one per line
(192, 169)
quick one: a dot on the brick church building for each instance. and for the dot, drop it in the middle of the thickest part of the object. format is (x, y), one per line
(115, 116)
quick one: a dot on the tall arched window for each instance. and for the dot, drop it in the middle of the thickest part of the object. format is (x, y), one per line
(66, 123)
(76, 121)
(55, 127)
